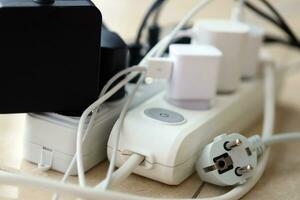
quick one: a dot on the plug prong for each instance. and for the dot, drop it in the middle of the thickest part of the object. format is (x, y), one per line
(233, 144)
(244, 170)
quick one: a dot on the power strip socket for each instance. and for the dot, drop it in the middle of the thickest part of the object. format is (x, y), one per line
(50, 139)
(172, 138)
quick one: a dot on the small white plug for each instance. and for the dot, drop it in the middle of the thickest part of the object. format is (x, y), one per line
(228, 160)
(159, 68)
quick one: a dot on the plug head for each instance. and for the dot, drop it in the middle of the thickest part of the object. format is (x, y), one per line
(228, 160)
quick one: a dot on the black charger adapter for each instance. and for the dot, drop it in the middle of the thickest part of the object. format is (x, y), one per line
(49, 55)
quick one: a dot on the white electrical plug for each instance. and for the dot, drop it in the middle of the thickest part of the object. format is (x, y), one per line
(228, 160)
(159, 68)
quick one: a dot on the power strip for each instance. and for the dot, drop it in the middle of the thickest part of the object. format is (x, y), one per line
(50, 139)
(171, 138)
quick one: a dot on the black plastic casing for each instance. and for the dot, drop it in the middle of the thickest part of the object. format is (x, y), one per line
(115, 58)
(49, 56)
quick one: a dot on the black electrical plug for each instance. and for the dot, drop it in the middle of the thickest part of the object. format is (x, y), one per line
(153, 35)
(135, 51)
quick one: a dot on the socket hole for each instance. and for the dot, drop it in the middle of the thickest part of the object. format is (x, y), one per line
(236, 171)
(221, 164)
(225, 144)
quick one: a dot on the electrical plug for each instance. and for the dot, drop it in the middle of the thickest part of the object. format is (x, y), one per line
(229, 159)
(136, 55)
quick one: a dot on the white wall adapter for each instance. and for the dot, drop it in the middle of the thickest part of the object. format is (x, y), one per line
(50, 139)
(172, 138)
(251, 50)
(192, 73)
(229, 37)
(194, 79)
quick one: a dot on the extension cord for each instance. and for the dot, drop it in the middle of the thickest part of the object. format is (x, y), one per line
(50, 139)
(171, 146)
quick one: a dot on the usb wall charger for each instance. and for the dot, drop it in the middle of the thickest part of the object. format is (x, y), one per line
(192, 72)
(229, 37)
(193, 84)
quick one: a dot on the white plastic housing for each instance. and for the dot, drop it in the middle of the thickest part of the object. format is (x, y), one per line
(213, 155)
(159, 68)
(230, 37)
(50, 139)
(193, 83)
(251, 52)
(171, 150)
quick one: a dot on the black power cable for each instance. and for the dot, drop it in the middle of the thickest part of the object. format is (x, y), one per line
(156, 5)
(135, 49)
(279, 22)
(282, 21)
(154, 29)
(270, 39)
(262, 14)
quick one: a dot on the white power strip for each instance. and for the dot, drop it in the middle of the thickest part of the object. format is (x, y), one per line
(50, 139)
(171, 138)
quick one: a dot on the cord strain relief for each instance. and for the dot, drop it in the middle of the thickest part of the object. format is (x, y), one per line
(257, 144)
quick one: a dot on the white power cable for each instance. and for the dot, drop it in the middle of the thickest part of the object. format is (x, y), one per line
(89, 110)
(121, 121)
(123, 172)
(94, 114)
(281, 138)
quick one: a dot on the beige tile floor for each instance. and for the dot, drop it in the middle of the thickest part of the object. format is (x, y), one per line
(280, 181)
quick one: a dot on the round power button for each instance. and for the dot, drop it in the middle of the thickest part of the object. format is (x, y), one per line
(164, 115)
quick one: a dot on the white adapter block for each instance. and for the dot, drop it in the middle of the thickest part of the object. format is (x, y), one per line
(172, 138)
(229, 37)
(50, 139)
(193, 84)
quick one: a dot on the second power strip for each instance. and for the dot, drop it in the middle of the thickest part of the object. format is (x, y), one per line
(50, 138)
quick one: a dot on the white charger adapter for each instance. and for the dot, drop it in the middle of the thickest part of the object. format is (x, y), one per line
(192, 72)
(251, 52)
(229, 37)
(50, 139)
